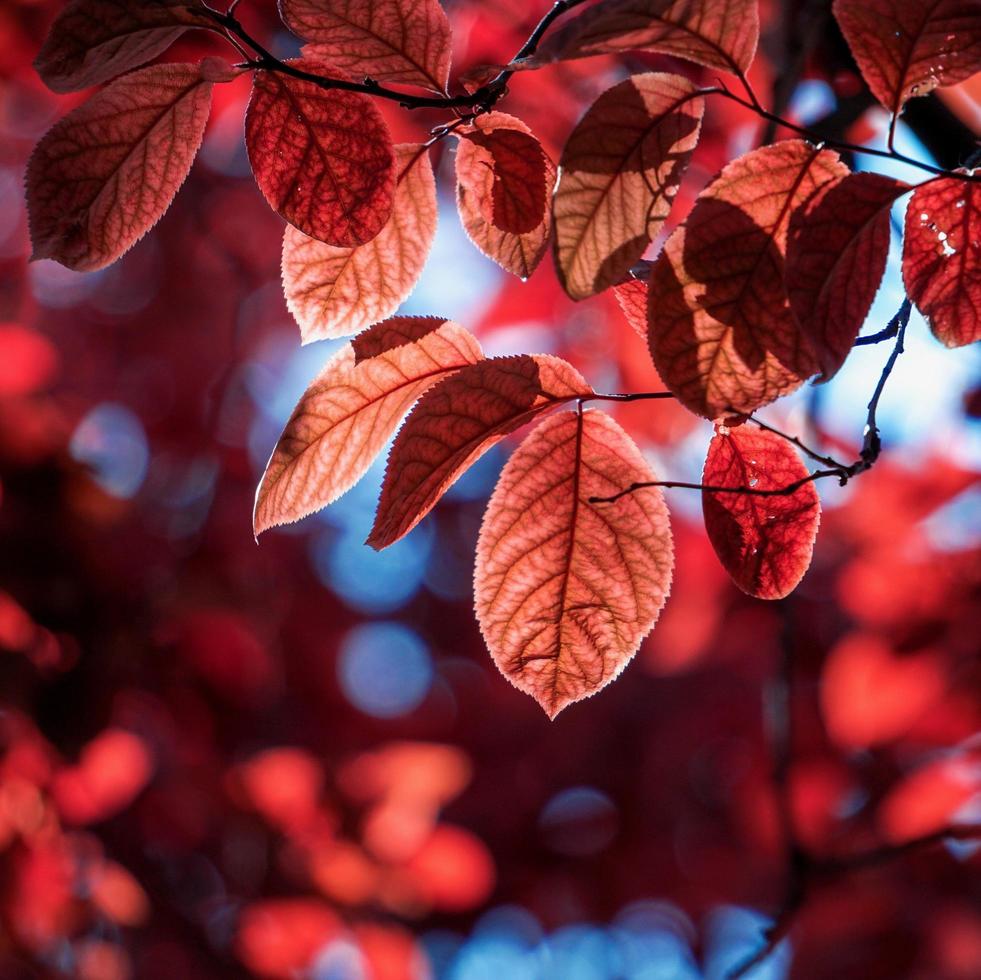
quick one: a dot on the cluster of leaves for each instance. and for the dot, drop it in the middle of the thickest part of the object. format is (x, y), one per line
(765, 284)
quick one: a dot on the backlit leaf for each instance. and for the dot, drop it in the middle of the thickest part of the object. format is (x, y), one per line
(722, 333)
(455, 423)
(906, 48)
(566, 589)
(516, 252)
(505, 169)
(92, 41)
(351, 409)
(105, 174)
(719, 35)
(334, 291)
(836, 255)
(621, 169)
(631, 296)
(389, 40)
(323, 158)
(764, 543)
(942, 258)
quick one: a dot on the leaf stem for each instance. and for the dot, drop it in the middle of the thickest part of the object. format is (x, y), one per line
(869, 454)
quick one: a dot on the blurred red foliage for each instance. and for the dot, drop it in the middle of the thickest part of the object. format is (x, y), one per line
(187, 789)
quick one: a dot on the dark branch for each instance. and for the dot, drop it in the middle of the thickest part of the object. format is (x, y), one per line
(480, 100)
(871, 444)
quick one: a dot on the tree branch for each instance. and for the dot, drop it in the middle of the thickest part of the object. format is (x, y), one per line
(871, 443)
(480, 100)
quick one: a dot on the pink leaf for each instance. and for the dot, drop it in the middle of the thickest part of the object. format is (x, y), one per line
(906, 48)
(517, 253)
(323, 158)
(456, 422)
(92, 41)
(621, 169)
(719, 35)
(722, 333)
(765, 543)
(942, 258)
(105, 174)
(334, 291)
(836, 255)
(389, 40)
(352, 407)
(566, 589)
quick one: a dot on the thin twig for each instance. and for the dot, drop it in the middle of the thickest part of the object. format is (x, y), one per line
(871, 444)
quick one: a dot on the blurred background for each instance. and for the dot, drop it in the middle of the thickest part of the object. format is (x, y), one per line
(296, 759)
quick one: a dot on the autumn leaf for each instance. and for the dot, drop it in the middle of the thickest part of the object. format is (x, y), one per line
(718, 35)
(92, 41)
(764, 542)
(836, 255)
(105, 174)
(906, 48)
(323, 158)
(505, 169)
(565, 588)
(517, 252)
(722, 333)
(389, 40)
(631, 297)
(942, 258)
(334, 291)
(621, 169)
(351, 408)
(456, 422)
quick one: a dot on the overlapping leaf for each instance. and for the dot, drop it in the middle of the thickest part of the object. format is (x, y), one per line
(505, 170)
(518, 252)
(906, 48)
(719, 35)
(456, 422)
(942, 258)
(323, 158)
(722, 333)
(836, 255)
(621, 169)
(92, 41)
(352, 407)
(389, 40)
(566, 589)
(334, 291)
(106, 173)
(764, 542)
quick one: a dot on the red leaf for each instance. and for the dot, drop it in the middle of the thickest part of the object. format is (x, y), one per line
(104, 175)
(506, 171)
(92, 41)
(566, 589)
(389, 40)
(349, 411)
(722, 333)
(334, 291)
(906, 48)
(323, 158)
(456, 422)
(942, 258)
(719, 35)
(764, 543)
(836, 255)
(621, 169)
(517, 252)
(631, 296)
